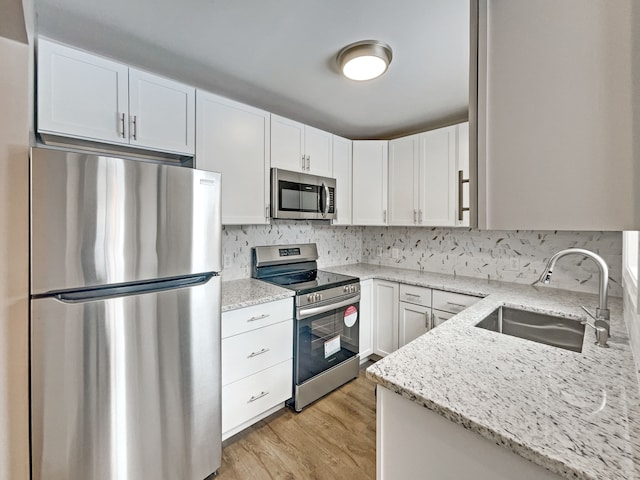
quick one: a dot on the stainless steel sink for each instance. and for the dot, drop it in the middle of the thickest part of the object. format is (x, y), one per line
(538, 327)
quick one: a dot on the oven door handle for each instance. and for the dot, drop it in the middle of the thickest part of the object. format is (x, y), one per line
(310, 312)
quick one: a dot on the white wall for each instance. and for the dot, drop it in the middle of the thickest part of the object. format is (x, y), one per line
(14, 259)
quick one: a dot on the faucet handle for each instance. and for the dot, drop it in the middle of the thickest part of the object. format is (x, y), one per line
(600, 326)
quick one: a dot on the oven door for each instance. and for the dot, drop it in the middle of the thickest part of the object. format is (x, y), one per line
(326, 335)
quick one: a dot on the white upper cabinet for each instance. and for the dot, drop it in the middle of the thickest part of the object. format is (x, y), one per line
(437, 178)
(343, 173)
(161, 112)
(558, 116)
(403, 180)
(422, 178)
(370, 167)
(233, 139)
(81, 95)
(87, 97)
(300, 148)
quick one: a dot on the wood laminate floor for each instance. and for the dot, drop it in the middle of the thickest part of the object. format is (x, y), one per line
(334, 438)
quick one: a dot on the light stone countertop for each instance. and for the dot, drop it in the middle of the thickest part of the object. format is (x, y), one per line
(576, 414)
(247, 292)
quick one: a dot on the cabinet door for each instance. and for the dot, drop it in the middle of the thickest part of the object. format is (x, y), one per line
(342, 171)
(161, 112)
(287, 144)
(403, 180)
(317, 149)
(462, 165)
(555, 137)
(233, 139)
(438, 317)
(414, 320)
(366, 319)
(437, 178)
(81, 95)
(385, 300)
(370, 164)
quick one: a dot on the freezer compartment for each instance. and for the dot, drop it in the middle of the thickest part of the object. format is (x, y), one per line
(99, 220)
(127, 387)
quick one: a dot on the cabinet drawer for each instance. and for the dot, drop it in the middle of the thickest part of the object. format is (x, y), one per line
(452, 302)
(438, 317)
(250, 352)
(251, 396)
(257, 316)
(416, 295)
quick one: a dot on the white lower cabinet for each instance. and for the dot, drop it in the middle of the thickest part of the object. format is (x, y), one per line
(244, 401)
(257, 363)
(366, 320)
(414, 321)
(411, 438)
(404, 312)
(415, 312)
(385, 301)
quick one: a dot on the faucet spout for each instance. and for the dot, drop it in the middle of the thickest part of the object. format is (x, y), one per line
(602, 312)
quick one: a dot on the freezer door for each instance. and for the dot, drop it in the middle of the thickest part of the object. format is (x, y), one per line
(127, 387)
(99, 220)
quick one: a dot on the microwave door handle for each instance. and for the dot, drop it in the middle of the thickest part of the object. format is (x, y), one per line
(325, 188)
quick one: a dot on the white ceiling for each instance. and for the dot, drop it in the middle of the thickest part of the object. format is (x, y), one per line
(279, 55)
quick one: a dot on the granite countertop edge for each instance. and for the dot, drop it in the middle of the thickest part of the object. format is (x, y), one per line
(248, 292)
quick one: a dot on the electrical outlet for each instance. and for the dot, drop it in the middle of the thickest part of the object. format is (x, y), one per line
(379, 251)
(514, 264)
(395, 253)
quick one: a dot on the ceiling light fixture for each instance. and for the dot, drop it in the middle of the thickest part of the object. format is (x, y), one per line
(364, 60)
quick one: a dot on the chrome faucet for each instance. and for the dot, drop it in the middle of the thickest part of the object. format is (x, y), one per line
(601, 318)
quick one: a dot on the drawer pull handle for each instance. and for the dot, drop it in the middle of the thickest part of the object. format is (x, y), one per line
(412, 295)
(257, 397)
(258, 317)
(456, 305)
(255, 354)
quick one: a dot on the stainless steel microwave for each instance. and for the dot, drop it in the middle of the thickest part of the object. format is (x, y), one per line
(302, 196)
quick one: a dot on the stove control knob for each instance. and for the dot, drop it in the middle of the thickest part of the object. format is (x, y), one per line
(319, 297)
(310, 298)
(345, 289)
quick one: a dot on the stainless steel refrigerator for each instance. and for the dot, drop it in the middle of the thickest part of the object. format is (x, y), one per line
(125, 319)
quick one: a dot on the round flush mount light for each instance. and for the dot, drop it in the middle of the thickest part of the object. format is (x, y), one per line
(364, 60)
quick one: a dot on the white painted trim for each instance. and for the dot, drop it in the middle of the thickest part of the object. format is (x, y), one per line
(629, 279)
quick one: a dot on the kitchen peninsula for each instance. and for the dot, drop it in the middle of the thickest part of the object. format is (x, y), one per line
(573, 415)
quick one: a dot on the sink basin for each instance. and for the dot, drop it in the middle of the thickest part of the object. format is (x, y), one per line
(538, 327)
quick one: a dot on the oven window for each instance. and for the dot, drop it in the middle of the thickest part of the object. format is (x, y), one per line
(326, 340)
(298, 197)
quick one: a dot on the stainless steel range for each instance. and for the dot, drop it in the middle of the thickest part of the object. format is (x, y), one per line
(327, 305)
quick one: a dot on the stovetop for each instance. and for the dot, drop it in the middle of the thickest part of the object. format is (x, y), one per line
(311, 281)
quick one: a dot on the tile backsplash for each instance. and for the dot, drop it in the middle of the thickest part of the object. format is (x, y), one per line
(468, 252)
(336, 245)
(489, 254)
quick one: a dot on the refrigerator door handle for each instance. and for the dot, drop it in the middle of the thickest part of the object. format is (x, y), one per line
(131, 289)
